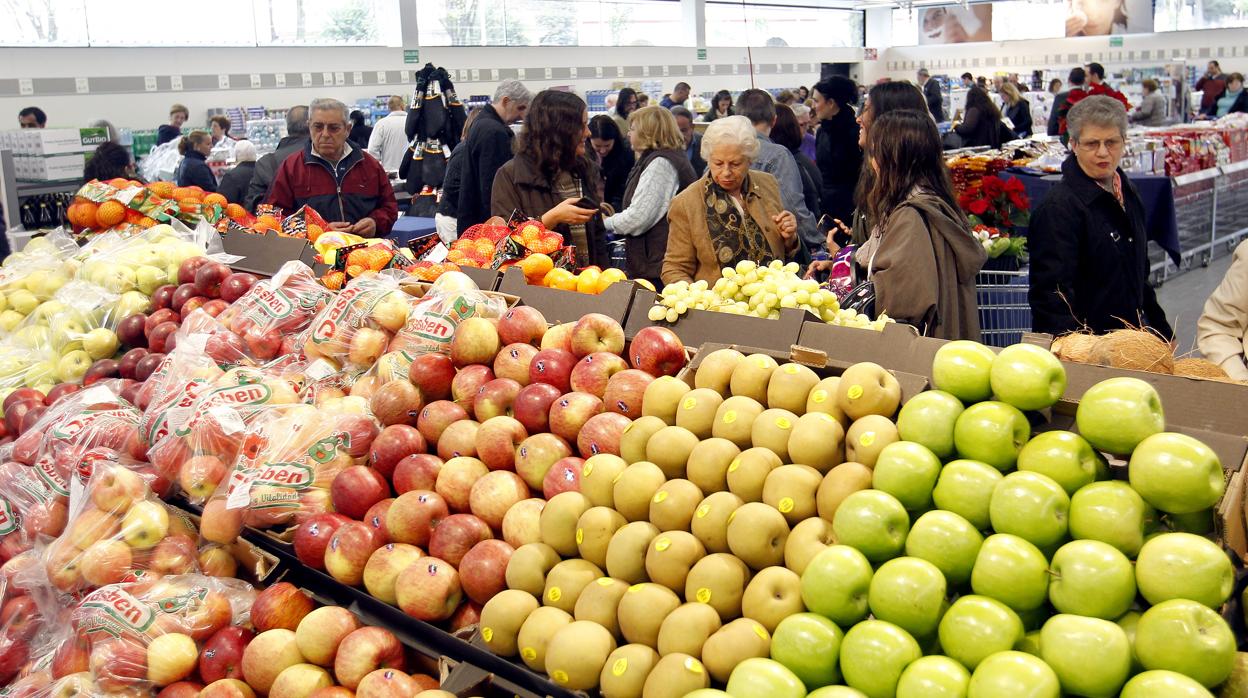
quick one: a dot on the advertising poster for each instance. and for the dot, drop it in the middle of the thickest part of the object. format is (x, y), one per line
(954, 24)
(1105, 17)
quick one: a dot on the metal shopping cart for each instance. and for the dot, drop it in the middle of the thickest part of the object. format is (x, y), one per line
(1004, 313)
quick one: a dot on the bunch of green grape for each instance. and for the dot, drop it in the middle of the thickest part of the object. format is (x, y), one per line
(761, 291)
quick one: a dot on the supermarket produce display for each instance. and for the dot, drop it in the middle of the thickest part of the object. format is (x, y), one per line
(321, 482)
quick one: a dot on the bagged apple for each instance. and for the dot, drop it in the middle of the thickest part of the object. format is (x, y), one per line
(288, 458)
(355, 329)
(96, 417)
(276, 309)
(30, 507)
(20, 624)
(23, 367)
(438, 313)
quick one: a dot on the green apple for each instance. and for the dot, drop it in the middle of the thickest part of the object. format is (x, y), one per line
(909, 593)
(39, 373)
(131, 302)
(1027, 377)
(1198, 522)
(1091, 657)
(1030, 643)
(150, 278)
(1011, 570)
(908, 471)
(1163, 684)
(48, 310)
(992, 433)
(1013, 674)
(965, 488)
(933, 677)
(1091, 578)
(948, 541)
(1111, 512)
(873, 655)
(10, 319)
(73, 366)
(963, 368)
(1129, 621)
(1064, 456)
(836, 692)
(1176, 473)
(836, 583)
(1031, 506)
(928, 419)
(51, 284)
(1118, 413)
(33, 337)
(1184, 566)
(975, 627)
(23, 301)
(874, 522)
(810, 646)
(758, 676)
(100, 343)
(1187, 637)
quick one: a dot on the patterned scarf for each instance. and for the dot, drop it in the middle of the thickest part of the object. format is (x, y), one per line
(734, 234)
(568, 186)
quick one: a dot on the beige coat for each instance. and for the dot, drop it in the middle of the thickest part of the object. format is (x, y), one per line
(1222, 332)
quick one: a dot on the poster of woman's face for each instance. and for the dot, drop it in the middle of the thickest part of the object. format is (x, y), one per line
(1104, 17)
(954, 24)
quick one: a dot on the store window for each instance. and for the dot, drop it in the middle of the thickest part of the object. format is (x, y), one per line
(551, 23)
(112, 23)
(789, 24)
(44, 23)
(1177, 15)
(327, 22)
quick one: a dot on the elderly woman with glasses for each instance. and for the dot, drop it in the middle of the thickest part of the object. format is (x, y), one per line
(1089, 246)
(731, 214)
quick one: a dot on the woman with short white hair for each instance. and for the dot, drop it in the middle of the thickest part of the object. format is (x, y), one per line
(234, 183)
(731, 214)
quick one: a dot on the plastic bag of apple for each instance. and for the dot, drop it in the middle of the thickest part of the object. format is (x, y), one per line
(841, 546)
(276, 308)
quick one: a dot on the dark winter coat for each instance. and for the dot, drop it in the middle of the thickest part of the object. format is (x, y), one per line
(521, 186)
(812, 182)
(486, 150)
(615, 168)
(840, 160)
(357, 188)
(1020, 116)
(266, 169)
(193, 172)
(935, 100)
(1089, 259)
(451, 185)
(234, 183)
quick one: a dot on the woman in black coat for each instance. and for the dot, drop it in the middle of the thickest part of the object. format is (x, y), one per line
(837, 152)
(615, 158)
(1017, 109)
(193, 170)
(981, 122)
(360, 131)
(234, 183)
(788, 133)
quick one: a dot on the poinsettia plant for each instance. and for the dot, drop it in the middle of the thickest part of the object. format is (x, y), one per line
(998, 243)
(997, 203)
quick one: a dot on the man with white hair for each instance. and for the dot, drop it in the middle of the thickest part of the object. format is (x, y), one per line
(388, 141)
(346, 185)
(233, 185)
(486, 149)
(932, 94)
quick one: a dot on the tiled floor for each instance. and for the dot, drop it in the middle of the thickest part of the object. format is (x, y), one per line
(1183, 298)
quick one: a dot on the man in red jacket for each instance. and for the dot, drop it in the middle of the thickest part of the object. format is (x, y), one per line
(346, 185)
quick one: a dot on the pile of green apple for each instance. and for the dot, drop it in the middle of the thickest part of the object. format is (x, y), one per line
(781, 533)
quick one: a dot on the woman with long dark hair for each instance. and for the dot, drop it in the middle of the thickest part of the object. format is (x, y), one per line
(626, 102)
(721, 106)
(615, 158)
(551, 177)
(836, 145)
(109, 161)
(981, 122)
(921, 257)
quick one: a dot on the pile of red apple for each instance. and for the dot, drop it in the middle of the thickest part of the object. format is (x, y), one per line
(472, 442)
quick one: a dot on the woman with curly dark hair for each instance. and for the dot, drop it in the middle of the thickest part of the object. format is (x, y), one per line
(552, 179)
(615, 159)
(109, 161)
(981, 125)
(721, 106)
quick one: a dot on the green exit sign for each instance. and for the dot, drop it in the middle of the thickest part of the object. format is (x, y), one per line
(411, 55)
(1115, 42)
(701, 54)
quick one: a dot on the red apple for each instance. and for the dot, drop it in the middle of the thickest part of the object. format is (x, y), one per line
(162, 339)
(387, 683)
(468, 382)
(148, 365)
(455, 535)
(513, 362)
(59, 391)
(570, 412)
(348, 551)
(235, 285)
(312, 537)
(596, 332)
(592, 373)
(181, 689)
(71, 656)
(131, 331)
(494, 494)
(416, 472)
(27, 395)
(280, 605)
(483, 569)
(433, 374)
(497, 439)
(657, 351)
(392, 445)
(625, 391)
(200, 475)
(191, 305)
(429, 590)
(356, 489)
(225, 347)
(118, 664)
(468, 613)
(175, 554)
(376, 517)
(397, 402)
(532, 406)
(553, 366)
(208, 279)
(563, 476)
(456, 478)
(263, 344)
(222, 654)
(128, 362)
(158, 317)
(102, 370)
(495, 398)
(601, 434)
(523, 324)
(362, 429)
(364, 651)
(436, 416)
(186, 272)
(184, 293)
(413, 515)
(215, 307)
(475, 342)
(162, 297)
(537, 454)
(458, 439)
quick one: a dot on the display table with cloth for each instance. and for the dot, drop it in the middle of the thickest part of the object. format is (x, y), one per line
(408, 228)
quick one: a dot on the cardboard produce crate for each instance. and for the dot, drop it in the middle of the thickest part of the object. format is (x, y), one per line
(697, 327)
(264, 254)
(559, 306)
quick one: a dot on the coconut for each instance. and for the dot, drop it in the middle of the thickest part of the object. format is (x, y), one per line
(1194, 367)
(1076, 347)
(1134, 350)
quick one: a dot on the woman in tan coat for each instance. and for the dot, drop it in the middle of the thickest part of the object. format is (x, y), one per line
(1222, 332)
(731, 214)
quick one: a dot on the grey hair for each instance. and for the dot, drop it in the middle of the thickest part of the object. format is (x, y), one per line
(800, 110)
(297, 121)
(1096, 111)
(329, 104)
(682, 111)
(731, 130)
(513, 89)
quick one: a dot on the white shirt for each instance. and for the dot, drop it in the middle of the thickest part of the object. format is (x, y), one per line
(389, 140)
(656, 188)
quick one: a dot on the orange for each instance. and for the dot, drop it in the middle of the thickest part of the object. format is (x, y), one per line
(133, 217)
(215, 198)
(146, 222)
(235, 211)
(609, 277)
(119, 182)
(587, 280)
(334, 280)
(456, 255)
(71, 213)
(162, 189)
(568, 283)
(266, 222)
(110, 213)
(536, 266)
(355, 270)
(314, 230)
(86, 214)
(556, 277)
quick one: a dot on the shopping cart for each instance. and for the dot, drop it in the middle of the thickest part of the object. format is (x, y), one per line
(618, 255)
(1004, 313)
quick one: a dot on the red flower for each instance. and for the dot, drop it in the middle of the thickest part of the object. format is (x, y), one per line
(993, 187)
(978, 207)
(1019, 201)
(1013, 184)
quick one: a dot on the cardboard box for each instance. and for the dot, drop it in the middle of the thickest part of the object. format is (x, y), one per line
(568, 306)
(57, 141)
(265, 254)
(697, 327)
(51, 168)
(485, 279)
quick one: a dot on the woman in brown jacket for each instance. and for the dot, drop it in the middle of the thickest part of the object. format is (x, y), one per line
(552, 179)
(731, 214)
(921, 256)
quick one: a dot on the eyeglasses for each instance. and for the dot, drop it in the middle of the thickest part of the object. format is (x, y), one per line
(317, 127)
(1112, 145)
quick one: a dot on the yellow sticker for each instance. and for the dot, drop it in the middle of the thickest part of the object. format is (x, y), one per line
(790, 369)
(818, 397)
(634, 588)
(703, 595)
(730, 416)
(763, 362)
(580, 536)
(487, 633)
(786, 505)
(660, 496)
(663, 544)
(589, 468)
(761, 631)
(560, 676)
(702, 511)
(529, 654)
(867, 438)
(620, 666)
(605, 581)
(736, 463)
(554, 594)
(693, 665)
(854, 392)
(690, 403)
(783, 422)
